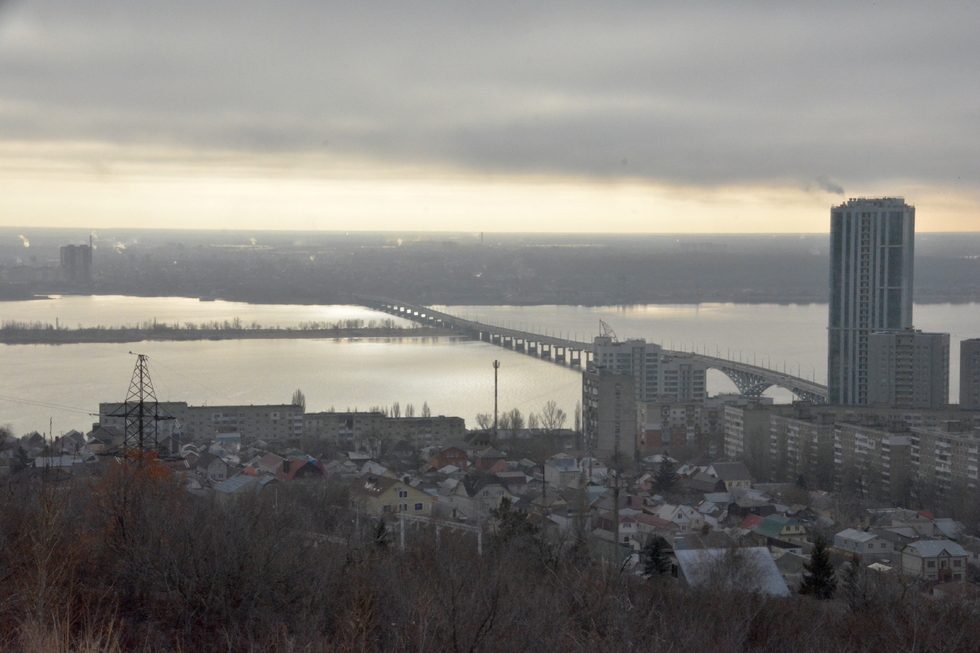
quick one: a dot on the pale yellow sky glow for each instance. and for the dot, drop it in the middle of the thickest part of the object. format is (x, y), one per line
(108, 186)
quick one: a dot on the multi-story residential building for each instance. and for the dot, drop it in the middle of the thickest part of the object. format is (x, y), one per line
(970, 374)
(908, 369)
(355, 429)
(802, 444)
(658, 376)
(747, 434)
(662, 425)
(276, 422)
(609, 414)
(871, 254)
(873, 458)
(947, 457)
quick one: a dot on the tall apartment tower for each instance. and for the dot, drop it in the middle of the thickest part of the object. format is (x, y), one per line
(970, 374)
(871, 250)
(908, 369)
(609, 415)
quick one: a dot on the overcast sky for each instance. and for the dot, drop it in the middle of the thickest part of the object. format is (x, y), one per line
(492, 116)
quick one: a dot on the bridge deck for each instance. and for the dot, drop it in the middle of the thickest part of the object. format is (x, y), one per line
(761, 376)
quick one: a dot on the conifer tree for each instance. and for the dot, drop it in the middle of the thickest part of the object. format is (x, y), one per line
(666, 476)
(818, 579)
(656, 560)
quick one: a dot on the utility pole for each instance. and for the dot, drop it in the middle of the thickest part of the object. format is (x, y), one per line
(496, 366)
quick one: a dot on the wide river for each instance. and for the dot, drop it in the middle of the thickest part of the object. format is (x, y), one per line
(64, 384)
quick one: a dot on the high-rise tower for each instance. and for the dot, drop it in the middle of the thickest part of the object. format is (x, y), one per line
(871, 250)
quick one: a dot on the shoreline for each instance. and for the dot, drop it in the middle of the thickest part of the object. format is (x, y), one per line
(44, 336)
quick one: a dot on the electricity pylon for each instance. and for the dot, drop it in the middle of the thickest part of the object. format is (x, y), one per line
(141, 411)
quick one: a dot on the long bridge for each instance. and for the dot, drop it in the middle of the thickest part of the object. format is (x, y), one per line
(751, 380)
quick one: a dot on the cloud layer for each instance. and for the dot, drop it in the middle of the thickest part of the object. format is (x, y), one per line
(805, 95)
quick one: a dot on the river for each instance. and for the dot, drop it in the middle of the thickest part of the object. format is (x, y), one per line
(63, 384)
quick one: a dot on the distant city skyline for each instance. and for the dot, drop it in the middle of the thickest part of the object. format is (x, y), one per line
(552, 117)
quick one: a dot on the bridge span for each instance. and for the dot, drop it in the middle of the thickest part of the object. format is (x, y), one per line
(751, 380)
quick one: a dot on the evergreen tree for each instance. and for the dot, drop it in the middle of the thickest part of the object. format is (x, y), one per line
(818, 579)
(381, 534)
(656, 558)
(666, 476)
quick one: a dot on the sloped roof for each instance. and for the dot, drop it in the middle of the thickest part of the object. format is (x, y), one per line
(856, 535)
(373, 485)
(932, 548)
(772, 525)
(760, 573)
(233, 484)
(736, 471)
(490, 453)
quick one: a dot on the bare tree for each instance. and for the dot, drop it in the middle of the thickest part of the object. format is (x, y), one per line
(552, 417)
(578, 416)
(516, 419)
(426, 411)
(532, 420)
(396, 410)
(484, 421)
(409, 410)
(299, 399)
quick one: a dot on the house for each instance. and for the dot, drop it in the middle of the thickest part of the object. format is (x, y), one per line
(561, 470)
(487, 458)
(734, 568)
(860, 543)
(296, 468)
(735, 475)
(450, 455)
(380, 495)
(687, 518)
(212, 467)
(782, 528)
(477, 494)
(940, 560)
(269, 463)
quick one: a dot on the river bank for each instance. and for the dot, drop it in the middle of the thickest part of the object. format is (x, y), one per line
(62, 336)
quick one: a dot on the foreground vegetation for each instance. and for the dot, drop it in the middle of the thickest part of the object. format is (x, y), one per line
(130, 562)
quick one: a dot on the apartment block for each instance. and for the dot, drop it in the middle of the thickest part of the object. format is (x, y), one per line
(609, 414)
(269, 423)
(657, 376)
(802, 444)
(874, 459)
(947, 457)
(970, 374)
(353, 429)
(908, 369)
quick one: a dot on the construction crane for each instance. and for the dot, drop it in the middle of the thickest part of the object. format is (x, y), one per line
(607, 331)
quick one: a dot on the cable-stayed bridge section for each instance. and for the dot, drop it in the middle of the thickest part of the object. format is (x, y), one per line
(751, 380)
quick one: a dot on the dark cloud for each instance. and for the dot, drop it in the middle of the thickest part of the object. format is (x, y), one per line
(711, 94)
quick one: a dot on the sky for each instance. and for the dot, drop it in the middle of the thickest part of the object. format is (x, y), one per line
(505, 116)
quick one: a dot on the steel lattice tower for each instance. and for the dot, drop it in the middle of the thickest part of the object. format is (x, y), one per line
(141, 410)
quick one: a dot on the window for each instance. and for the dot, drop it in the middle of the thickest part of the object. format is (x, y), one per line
(418, 507)
(931, 564)
(957, 563)
(403, 507)
(402, 494)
